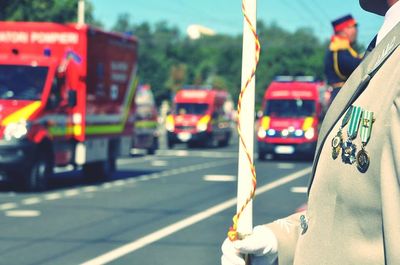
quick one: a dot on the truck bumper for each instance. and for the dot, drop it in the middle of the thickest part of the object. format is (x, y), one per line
(16, 155)
(185, 137)
(287, 149)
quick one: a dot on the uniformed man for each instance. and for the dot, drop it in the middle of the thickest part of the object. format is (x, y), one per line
(353, 214)
(341, 59)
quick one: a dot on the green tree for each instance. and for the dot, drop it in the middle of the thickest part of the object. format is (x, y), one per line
(216, 60)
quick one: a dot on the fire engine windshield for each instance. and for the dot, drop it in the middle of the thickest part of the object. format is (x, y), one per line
(191, 108)
(22, 82)
(290, 108)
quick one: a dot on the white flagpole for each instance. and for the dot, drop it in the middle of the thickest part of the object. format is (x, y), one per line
(246, 120)
(81, 12)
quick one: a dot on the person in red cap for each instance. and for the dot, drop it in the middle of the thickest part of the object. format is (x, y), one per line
(341, 59)
(353, 213)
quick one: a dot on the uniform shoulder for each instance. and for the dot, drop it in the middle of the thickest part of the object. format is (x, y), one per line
(338, 43)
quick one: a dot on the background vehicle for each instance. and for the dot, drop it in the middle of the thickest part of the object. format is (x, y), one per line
(201, 116)
(292, 112)
(66, 98)
(146, 120)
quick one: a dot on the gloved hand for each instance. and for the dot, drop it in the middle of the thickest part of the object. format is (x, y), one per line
(262, 245)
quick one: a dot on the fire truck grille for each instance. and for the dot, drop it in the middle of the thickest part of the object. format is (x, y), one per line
(290, 135)
(185, 128)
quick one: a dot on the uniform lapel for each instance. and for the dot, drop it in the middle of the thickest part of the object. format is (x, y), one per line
(371, 46)
(354, 86)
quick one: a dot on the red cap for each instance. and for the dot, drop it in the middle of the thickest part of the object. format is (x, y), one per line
(343, 22)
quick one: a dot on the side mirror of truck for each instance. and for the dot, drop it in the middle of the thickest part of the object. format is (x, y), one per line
(259, 114)
(72, 98)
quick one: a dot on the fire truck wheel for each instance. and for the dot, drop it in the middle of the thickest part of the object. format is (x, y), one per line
(170, 144)
(37, 177)
(225, 141)
(212, 142)
(154, 147)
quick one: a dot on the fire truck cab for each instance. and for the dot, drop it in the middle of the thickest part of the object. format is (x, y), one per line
(202, 116)
(66, 99)
(292, 111)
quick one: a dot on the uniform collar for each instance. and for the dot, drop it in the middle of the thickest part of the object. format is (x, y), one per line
(392, 17)
(339, 38)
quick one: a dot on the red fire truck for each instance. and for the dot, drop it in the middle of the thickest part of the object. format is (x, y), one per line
(200, 116)
(66, 98)
(292, 111)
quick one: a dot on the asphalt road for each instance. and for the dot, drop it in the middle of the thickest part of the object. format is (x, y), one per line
(172, 208)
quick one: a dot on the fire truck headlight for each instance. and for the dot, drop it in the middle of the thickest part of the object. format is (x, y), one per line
(261, 133)
(202, 124)
(201, 127)
(15, 130)
(170, 127)
(298, 133)
(271, 132)
(309, 134)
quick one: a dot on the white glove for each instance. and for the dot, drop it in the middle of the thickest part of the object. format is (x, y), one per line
(262, 245)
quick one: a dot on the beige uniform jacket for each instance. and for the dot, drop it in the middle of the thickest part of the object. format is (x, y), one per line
(353, 217)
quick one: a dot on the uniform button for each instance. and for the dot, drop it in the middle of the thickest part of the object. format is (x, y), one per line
(303, 224)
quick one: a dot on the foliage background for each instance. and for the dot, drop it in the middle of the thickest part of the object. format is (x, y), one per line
(168, 59)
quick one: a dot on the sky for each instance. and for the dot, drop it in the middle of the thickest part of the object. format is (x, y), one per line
(225, 16)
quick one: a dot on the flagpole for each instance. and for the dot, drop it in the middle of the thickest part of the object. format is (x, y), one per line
(246, 176)
(81, 12)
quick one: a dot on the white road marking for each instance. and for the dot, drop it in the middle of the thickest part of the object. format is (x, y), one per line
(7, 206)
(30, 201)
(299, 189)
(220, 178)
(159, 163)
(207, 154)
(119, 183)
(90, 189)
(182, 153)
(112, 184)
(107, 185)
(175, 227)
(52, 196)
(144, 178)
(286, 165)
(132, 160)
(22, 213)
(70, 193)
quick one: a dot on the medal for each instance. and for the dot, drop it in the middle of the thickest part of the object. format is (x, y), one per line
(349, 152)
(363, 160)
(337, 141)
(348, 148)
(336, 145)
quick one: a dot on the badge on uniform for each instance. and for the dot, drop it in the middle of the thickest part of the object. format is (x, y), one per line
(359, 120)
(363, 160)
(337, 141)
(348, 148)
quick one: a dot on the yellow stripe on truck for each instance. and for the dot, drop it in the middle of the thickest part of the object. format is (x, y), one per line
(22, 114)
(204, 120)
(308, 122)
(265, 122)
